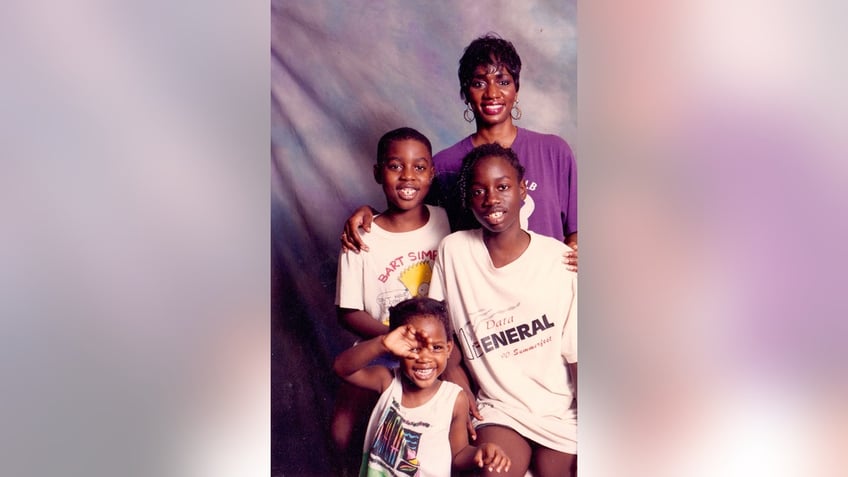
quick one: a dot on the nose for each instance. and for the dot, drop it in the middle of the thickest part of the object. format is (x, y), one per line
(492, 90)
(424, 355)
(406, 173)
(490, 198)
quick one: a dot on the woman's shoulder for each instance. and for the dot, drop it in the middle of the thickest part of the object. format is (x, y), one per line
(454, 153)
(545, 139)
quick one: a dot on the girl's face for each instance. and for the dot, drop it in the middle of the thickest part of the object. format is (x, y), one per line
(492, 95)
(405, 174)
(424, 371)
(495, 194)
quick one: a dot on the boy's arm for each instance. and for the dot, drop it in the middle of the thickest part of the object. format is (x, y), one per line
(466, 456)
(352, 365)
(360, 323)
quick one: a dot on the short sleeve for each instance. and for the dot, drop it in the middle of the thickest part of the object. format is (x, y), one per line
(349, 281)
(437, 281)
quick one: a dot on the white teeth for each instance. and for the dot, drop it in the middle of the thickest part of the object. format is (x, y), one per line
(496, 215)
(424, 373)
(493, 109)
(407, 192)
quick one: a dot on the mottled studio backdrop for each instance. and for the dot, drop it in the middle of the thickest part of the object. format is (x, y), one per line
(342, 74)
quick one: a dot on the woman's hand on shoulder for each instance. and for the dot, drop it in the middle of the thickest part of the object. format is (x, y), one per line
(569, 258)
(350, 239)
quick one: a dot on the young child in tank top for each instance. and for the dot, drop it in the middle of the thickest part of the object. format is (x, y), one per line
(418, 426)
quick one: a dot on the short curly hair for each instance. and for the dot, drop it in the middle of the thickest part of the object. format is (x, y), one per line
(404, 311)
(488, 50)
(472, 158)
(400, 134)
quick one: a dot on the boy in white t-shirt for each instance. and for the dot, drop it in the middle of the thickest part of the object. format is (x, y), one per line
(404, 241)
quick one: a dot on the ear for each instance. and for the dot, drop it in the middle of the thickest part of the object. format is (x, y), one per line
(449, 346)
(377, 176)
(522, 189)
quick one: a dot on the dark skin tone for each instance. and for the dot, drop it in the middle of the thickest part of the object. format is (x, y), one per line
(405, 175)
(495, 197)
(423, 346)
(491, 95)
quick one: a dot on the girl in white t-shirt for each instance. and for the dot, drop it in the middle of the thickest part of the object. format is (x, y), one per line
(514, 313)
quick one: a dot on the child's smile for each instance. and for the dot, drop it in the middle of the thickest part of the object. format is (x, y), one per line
(424, 371)
(406, 174)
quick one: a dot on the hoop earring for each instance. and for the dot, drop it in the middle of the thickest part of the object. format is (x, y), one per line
(515, 113)
(465, 113)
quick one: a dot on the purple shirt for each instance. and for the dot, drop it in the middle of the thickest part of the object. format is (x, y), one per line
(550, 175)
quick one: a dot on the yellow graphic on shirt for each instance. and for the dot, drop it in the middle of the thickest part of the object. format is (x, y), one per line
(416, 278)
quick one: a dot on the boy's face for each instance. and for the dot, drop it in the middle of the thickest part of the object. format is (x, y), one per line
(495, 194)
(424, 371)
(492, 95)
(405, 174)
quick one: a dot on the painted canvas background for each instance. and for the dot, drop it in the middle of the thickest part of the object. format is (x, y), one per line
(342, 74)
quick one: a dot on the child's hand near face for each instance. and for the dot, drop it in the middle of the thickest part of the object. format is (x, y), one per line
(493, 457)
(405, 341)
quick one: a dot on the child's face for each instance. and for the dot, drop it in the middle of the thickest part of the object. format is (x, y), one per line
(405, 173)
(496, 194)
(430, 364)
(492, 95)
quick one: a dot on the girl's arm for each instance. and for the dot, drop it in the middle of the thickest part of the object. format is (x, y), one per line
(360, 323)
(455, 373)
(466, 456)
(352, 365)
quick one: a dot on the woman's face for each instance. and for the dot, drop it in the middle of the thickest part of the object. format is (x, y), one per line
(492, 94)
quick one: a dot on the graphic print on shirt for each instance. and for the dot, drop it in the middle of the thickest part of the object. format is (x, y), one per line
(416, 281)
(488, 331)
(395, 446)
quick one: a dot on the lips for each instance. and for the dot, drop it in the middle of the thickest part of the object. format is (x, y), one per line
(492, 109)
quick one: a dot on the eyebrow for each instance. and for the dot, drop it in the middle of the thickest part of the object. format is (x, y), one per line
(496, 179)
(395, 158)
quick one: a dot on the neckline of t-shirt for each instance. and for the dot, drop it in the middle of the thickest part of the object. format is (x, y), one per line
(441, 389)
(376, 229)
(506, 267)
(518, 133)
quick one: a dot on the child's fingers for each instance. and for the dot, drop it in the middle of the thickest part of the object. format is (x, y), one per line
(500, 463)
(493, 459)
